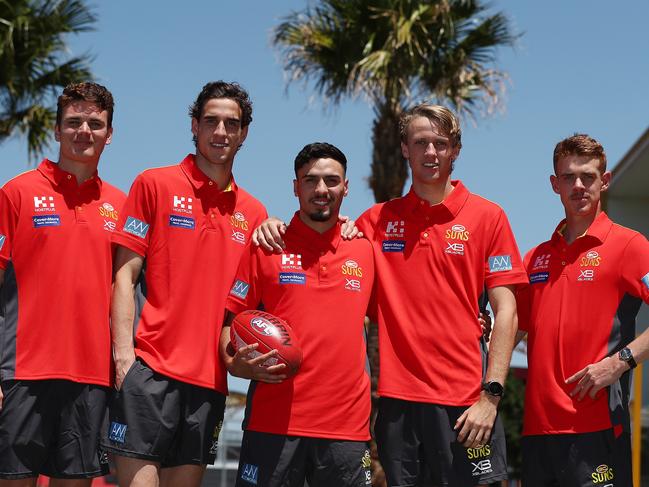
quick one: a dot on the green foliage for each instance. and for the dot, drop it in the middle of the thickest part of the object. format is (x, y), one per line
(33, 65)
(396, 52)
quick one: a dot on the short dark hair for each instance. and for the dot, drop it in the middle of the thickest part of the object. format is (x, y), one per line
(319, 150)
(222, 89)
(579, 145)
(86, 91)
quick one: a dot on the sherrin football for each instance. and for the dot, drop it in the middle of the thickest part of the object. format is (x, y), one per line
(272, 333)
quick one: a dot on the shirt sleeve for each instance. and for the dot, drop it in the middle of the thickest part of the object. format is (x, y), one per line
(137, 217)
(503, 265)
(635, 267)
(245, 292)
(8, 223)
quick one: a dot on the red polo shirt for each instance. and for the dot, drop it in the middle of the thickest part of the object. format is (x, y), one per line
(192, 236)
(321, 286)
(56, 233)
(432, 263)
(579, 307)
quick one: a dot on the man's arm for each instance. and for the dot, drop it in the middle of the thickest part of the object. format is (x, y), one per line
(477, 421)
(243, 363)
(2, 280)
(595, 377)
(128, 265)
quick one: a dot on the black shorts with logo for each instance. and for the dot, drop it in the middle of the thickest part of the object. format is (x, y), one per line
(269, 460)
(417, 445)
(156, 418)
(51, 427)
(596, 459)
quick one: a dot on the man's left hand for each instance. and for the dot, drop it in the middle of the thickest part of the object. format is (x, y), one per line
(595, 377)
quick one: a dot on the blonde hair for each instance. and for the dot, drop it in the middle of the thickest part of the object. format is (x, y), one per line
(441, 116)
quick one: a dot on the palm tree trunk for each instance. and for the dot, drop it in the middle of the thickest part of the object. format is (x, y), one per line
(389, 168)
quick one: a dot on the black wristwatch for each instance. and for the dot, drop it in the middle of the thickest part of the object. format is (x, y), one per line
(626, 356)
(493, 388)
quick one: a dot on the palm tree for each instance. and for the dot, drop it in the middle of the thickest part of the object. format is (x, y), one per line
(394, 52)
(33, 67)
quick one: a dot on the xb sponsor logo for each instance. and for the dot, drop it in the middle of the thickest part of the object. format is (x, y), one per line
(353, 270)
(238, 236)
(395, 229)
(109, 225)
(591, 259)
(481, 467)
(183, 204)
(291, 261)
(352, 284)
(44, 203)
(541, 262)
(250, 473)
(602, 474)
(586, 275)
(455, 248)
(366, 463)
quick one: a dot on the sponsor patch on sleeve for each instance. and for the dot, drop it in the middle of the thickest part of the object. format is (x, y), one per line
(393, 245)
(2, 241)
(136, 227)
(240, 289)
(539, 277)
(645, 279)
(46, 221)
(181, 222)
(500, 263)
(292, 278)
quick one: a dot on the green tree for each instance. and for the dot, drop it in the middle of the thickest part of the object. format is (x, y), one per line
(394, 52)
(34, 67)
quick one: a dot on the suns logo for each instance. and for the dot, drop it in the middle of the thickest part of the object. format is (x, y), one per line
(457, 232)
(108, 211)
(591, 259)
(351, 268)
(603, 473)
(238, 220)
(483, 451)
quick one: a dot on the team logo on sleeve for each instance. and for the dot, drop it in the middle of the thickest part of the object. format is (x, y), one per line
(240, 289)
(456, 236)
(500, 263)
(183, 204)
(136, 227)
(2, 241)
(250, 473)
(602, 474)
(44, 204)
(644, 280)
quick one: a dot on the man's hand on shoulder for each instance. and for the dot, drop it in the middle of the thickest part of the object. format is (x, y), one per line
(348, 229)
(269, 235)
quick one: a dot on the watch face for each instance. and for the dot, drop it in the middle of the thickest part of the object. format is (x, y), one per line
(625, 354)
(494, 388)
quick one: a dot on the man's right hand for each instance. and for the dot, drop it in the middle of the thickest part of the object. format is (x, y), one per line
(269, 234)
(122, 366)
(244, 364)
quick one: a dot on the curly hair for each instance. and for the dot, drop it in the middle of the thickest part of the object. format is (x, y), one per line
(86, 91)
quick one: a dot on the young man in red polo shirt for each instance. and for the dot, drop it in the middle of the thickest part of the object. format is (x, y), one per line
(187, 225)
(315, 425)
(586, 285)
(56, 223)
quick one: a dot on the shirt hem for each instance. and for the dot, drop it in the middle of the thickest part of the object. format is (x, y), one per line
(312, 434)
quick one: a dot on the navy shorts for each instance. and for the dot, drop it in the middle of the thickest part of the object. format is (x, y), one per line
(153, 417)
(417, 445)
(51, 427)
(577, 460)
(269, 460)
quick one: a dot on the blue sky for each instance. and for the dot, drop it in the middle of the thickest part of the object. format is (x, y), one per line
(580, 66)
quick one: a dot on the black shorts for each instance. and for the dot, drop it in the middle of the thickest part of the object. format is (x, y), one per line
(417, 445)
(577, 460)
(51, 427)
(269, 460)
(153, 417)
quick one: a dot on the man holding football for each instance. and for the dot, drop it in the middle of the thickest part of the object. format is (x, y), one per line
(314, 425)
